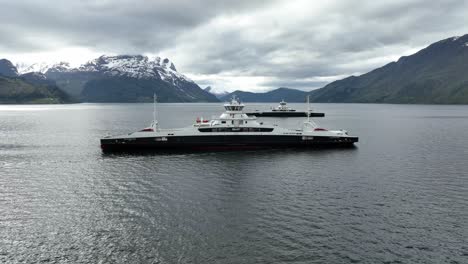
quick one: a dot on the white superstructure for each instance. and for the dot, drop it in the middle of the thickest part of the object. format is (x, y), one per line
(283, 107)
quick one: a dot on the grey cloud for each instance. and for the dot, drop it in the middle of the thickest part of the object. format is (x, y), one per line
(345, 33)
(118, 26)
(212, 38)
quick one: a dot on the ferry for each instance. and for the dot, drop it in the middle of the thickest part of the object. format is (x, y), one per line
(233, 129)
(283, 110)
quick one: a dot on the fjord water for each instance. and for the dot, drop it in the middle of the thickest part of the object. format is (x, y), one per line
(400, 196)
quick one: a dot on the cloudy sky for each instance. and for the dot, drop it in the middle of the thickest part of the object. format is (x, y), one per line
(250, 45)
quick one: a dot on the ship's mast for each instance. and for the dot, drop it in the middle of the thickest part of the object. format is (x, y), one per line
(155, 120)
(154, 108)
(309, 123)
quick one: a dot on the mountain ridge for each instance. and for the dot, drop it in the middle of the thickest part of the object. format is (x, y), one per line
(276, 95)
(7, 68)
(31, 88)
(436, 74)
(139, 78)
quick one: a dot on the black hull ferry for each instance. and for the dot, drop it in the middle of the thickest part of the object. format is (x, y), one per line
(284, 114)
(282, 110)
(232, 130)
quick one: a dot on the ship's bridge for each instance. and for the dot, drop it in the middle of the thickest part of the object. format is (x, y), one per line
(234, 106)
(233, 114)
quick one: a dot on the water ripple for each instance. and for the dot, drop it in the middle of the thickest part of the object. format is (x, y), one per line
(400, 197)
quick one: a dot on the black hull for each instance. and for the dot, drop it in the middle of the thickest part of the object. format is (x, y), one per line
(224, 142)
(285, 114)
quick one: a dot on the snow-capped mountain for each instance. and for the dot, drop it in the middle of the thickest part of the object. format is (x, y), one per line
(59, 67)
(137, 77)
(122, 78)
(41, 67)
(134, 66)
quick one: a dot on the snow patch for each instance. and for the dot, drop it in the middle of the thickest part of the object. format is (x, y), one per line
(42, 67)
(39, 75)
(455, 38)
(136, 66)
(133, 66)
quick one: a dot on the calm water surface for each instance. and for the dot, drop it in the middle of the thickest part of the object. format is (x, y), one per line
(401, 196)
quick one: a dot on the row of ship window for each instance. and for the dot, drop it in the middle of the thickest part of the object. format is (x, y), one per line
(232, 122)
(236, 129)
(234, 108)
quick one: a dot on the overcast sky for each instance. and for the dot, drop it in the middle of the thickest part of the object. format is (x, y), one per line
(243, 44)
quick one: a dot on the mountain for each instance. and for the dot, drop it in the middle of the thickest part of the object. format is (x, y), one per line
(41, 67)
(36, 78)
(127, 78)
(27, 88)
(287, 94)
(7, 68)
(437, 74)
(217, 94)
(17, 91)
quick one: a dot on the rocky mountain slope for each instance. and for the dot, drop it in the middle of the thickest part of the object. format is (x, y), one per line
(29, 88)
(7, 69)
(437, 74)
(127, 78)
